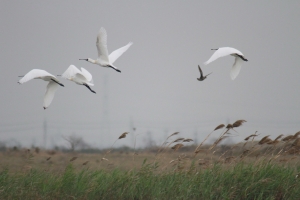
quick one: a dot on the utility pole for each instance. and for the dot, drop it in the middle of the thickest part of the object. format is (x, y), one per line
(105, 107)
(132, 130)
(196, 136)
(45, 134)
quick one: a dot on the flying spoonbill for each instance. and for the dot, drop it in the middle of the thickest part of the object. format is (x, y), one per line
(105, 60)
(82, 77)
(46, 76)
(225, 51)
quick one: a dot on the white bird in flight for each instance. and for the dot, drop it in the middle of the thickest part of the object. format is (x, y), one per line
(225, 51)
(105, 60)
(82, 77)
(46, 76)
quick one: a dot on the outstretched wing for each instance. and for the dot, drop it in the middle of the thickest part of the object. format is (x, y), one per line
(87, 75)
(71, 72)
(117, 53)
(235, 70)
(77, 76)
(35, 73)
(200, 70)
(49, 95)
(221, 52)
(101, 44)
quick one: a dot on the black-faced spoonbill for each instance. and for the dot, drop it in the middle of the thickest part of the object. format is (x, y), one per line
(105, 60)
(46, 76)
(82, 77)
(225, 51)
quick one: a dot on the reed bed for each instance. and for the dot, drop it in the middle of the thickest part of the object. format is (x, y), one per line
(258, 167)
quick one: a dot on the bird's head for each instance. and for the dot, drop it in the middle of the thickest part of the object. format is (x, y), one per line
(89, 60)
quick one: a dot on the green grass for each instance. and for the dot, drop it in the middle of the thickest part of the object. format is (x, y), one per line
(241, 181)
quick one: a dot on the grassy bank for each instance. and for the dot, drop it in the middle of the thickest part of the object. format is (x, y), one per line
(241, 181)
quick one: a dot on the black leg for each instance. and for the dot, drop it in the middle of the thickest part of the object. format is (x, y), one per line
(57, 82)
(242, 57)
(89, 88)
(114, 68)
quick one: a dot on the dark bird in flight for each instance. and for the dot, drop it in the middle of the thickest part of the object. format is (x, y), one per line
(201, 74)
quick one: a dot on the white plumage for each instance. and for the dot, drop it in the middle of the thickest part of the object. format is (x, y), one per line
(46, 76)
(105, 60)
(225, 51)
(82, 77)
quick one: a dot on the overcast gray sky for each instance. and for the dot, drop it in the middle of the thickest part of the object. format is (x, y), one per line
(157, 90)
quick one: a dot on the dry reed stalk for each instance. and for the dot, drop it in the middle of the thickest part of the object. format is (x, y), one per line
(72, 159)
(274, 142)
(278, 154)
(187, 140)
(296, 134)
(292, 150)
(201, 150)
(235, 125)
(165, 142)
(247, 138)
(219, 127)
(123, 135)
(134, 153)
(238, 123)
(229, 126)
(85, 163)
(172, 135)
(178, 140)
(287, 138)
(253, 150)
(177, 146)
(51, 152)
(283, 160)
(244, 153)
(253, 135)
(229, 159)
(176, 162)
(229, 150)
(279, 136)
(37, 150)
(296, 143)
(292, 158)
(245, 144)
(218, 141)
(264, 140)
(48, 158)
(203, 162)
(162, 150)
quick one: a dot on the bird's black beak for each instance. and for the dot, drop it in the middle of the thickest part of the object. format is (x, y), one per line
(84, 59)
